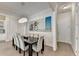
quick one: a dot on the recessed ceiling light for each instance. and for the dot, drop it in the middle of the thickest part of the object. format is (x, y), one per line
(66, 7)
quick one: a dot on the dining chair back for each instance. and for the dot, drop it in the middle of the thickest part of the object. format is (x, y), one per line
(15, 43)
(39, 43)
(38, 47)
(16, 40)
(22, 46)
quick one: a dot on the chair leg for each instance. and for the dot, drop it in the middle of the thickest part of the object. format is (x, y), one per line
(24, 53)
(41, 51)
(16, 47)
(37, 53)
(13, 46)
(19, 50)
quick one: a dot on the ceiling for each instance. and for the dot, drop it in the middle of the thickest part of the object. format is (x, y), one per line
(62, 5)
(23, 8)
(27, 8)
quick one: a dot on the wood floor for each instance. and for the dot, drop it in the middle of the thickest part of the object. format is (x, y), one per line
(6, 49)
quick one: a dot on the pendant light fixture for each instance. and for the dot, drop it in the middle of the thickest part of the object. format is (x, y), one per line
(22, 20)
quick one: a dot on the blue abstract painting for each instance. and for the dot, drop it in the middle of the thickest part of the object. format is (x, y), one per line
(48, 23)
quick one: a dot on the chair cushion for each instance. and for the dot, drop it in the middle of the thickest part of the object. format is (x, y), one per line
(34, 47)
(26, 47)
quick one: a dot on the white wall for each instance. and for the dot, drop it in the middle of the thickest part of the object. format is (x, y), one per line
(77, 34)
(49, 36)
(10, 25)
(73, 27)
(76, 40)
(64, 27)
(21, 27)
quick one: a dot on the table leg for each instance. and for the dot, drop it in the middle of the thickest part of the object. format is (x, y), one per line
(30, 50)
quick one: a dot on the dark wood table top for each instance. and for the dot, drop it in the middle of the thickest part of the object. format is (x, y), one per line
(30, 40)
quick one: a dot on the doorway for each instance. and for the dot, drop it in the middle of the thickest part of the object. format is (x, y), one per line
(64, 27)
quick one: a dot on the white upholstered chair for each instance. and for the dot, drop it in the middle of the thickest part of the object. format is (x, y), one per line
(38, 47)
(22, 44)
(16, 41)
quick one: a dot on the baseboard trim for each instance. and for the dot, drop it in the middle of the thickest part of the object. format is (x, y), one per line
(65, 42)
